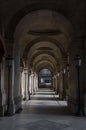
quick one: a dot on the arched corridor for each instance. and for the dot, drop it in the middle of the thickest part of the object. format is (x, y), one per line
(42, 48)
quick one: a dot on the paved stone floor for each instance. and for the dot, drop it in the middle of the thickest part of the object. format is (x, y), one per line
(43, 112)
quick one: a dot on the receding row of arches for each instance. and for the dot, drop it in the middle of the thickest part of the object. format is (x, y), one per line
(36, 40)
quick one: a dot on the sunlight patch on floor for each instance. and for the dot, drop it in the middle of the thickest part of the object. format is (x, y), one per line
(44, 103)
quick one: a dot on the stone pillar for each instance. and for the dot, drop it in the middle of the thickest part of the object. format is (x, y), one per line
(60, 85)
(84, 74)
(35, 82)
(10, 85)
(83, 83)
(1, 106)
(2, 90)
(29, 89)
(56, 84)
(53, 83)
(32, 83)
(26, 85)
(22, 84)
(17, 83)
(76, 48)
(21, 71)
(64, 83)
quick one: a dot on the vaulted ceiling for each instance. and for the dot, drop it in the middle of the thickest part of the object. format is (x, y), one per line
(42, 29)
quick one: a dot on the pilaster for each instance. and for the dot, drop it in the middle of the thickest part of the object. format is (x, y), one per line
(10, 85)
(60, 84)
(2, 88)
(32, 84)
(1, 106)
(25, 84)
(17, 83)
(76, 48)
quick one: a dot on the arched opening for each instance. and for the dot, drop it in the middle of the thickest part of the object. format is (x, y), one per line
(43, 37)
(45, 78)
(43, 46)
(43, 64)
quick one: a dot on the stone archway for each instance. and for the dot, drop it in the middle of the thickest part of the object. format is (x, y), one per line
(21, 32)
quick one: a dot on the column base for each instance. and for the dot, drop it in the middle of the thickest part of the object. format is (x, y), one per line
(61, 96)
(84, 111)
(72, 105)
(85, 104)
(10, 109)
(1, 111)
(18, 105)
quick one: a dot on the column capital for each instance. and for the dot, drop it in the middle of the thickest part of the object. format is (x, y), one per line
(25, 70)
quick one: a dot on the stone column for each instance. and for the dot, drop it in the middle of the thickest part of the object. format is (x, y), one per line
(64, 83)
(32, 83)
(2, 90)
(17, 84)
(21, 71)
(1, 106)
(58, 74)
(22, 84)
(84, 75)
(76, 48)
(35, 82)
(29, 89)
(26, 85)
(60, 82)
(56, 84)
(10, 85)
(53, 84)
